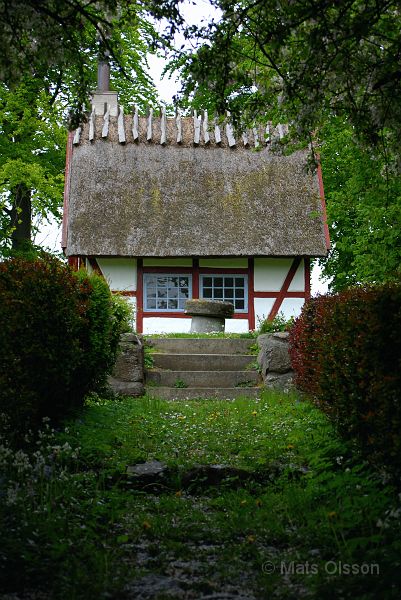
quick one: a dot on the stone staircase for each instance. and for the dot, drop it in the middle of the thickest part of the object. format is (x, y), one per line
(186, 368)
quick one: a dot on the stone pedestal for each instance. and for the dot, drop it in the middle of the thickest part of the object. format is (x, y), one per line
(208, 316)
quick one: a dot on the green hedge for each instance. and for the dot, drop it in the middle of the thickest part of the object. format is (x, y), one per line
(59, 333)
(346, 353)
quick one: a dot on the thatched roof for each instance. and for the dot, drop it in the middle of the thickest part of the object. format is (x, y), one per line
(157, 197)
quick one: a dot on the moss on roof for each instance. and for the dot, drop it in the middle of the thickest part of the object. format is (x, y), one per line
(144, 199)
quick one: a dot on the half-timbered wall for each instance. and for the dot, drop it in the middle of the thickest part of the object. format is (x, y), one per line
(272, 286)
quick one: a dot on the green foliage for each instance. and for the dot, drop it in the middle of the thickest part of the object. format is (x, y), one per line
(58, 339)
(104, 320)
(363, 197)
(309, 499)
(32, 158)
(279, 323)
(180, 383)
(304, 60)
(123, 312)
(58, 43)
(346, 351)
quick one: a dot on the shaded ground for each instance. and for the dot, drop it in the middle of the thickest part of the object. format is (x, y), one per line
(144, 499)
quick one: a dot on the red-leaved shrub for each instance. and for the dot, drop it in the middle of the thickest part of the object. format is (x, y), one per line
(346, 353)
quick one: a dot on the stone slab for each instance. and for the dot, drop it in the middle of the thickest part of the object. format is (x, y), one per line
(202, 362)
(192, 345)
(209, 308)
(202, 379)
(168, 393)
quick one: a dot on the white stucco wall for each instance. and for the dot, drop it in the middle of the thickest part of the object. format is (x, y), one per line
(166, 325)
(177, 325)
(263, 307)
(237, 326)
(291, 307)
(270, 274)
(120, 273)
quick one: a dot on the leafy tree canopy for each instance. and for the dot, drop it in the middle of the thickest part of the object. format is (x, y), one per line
(340, 56)
(57, 41)
(363, 197)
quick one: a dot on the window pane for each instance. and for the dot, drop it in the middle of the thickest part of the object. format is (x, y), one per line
(207, 293)
(229, 281)
(239, 305)
(229, 293)
(239, 293)
(166, 292)
(239, 282)
(218, 282)
(218, 293)
(207, 281)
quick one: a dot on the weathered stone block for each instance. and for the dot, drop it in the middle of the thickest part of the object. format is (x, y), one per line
(127, 388)
(128, 374)
(274, 360)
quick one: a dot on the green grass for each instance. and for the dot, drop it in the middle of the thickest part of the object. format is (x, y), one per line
(74, 526)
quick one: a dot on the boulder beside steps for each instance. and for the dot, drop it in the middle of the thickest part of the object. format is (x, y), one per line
(189, 368)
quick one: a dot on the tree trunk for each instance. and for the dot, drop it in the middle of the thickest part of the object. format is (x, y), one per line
(21, 216)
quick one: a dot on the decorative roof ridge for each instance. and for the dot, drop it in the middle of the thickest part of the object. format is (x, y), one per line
(108, 122)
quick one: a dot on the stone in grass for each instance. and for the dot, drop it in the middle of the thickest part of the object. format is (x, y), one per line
(150, 474)
(213, 475)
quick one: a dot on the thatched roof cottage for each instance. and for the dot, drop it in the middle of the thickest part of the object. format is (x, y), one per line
(168, 209)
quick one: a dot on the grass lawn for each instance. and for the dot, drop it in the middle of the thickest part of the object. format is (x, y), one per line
(301, 516)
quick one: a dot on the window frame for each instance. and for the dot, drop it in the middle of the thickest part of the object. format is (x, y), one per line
(226, 276)
(167, 310)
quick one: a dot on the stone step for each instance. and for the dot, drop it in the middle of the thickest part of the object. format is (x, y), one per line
(201, 345)
(203, 362)
(203, 379)
(170, 393)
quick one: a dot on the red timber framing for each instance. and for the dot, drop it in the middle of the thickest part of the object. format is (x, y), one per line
(284, 291)
(139, 295)
(76, 262)
(280, 295)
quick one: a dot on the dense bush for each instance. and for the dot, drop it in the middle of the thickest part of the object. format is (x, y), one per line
(346, 353)
(58, 338)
